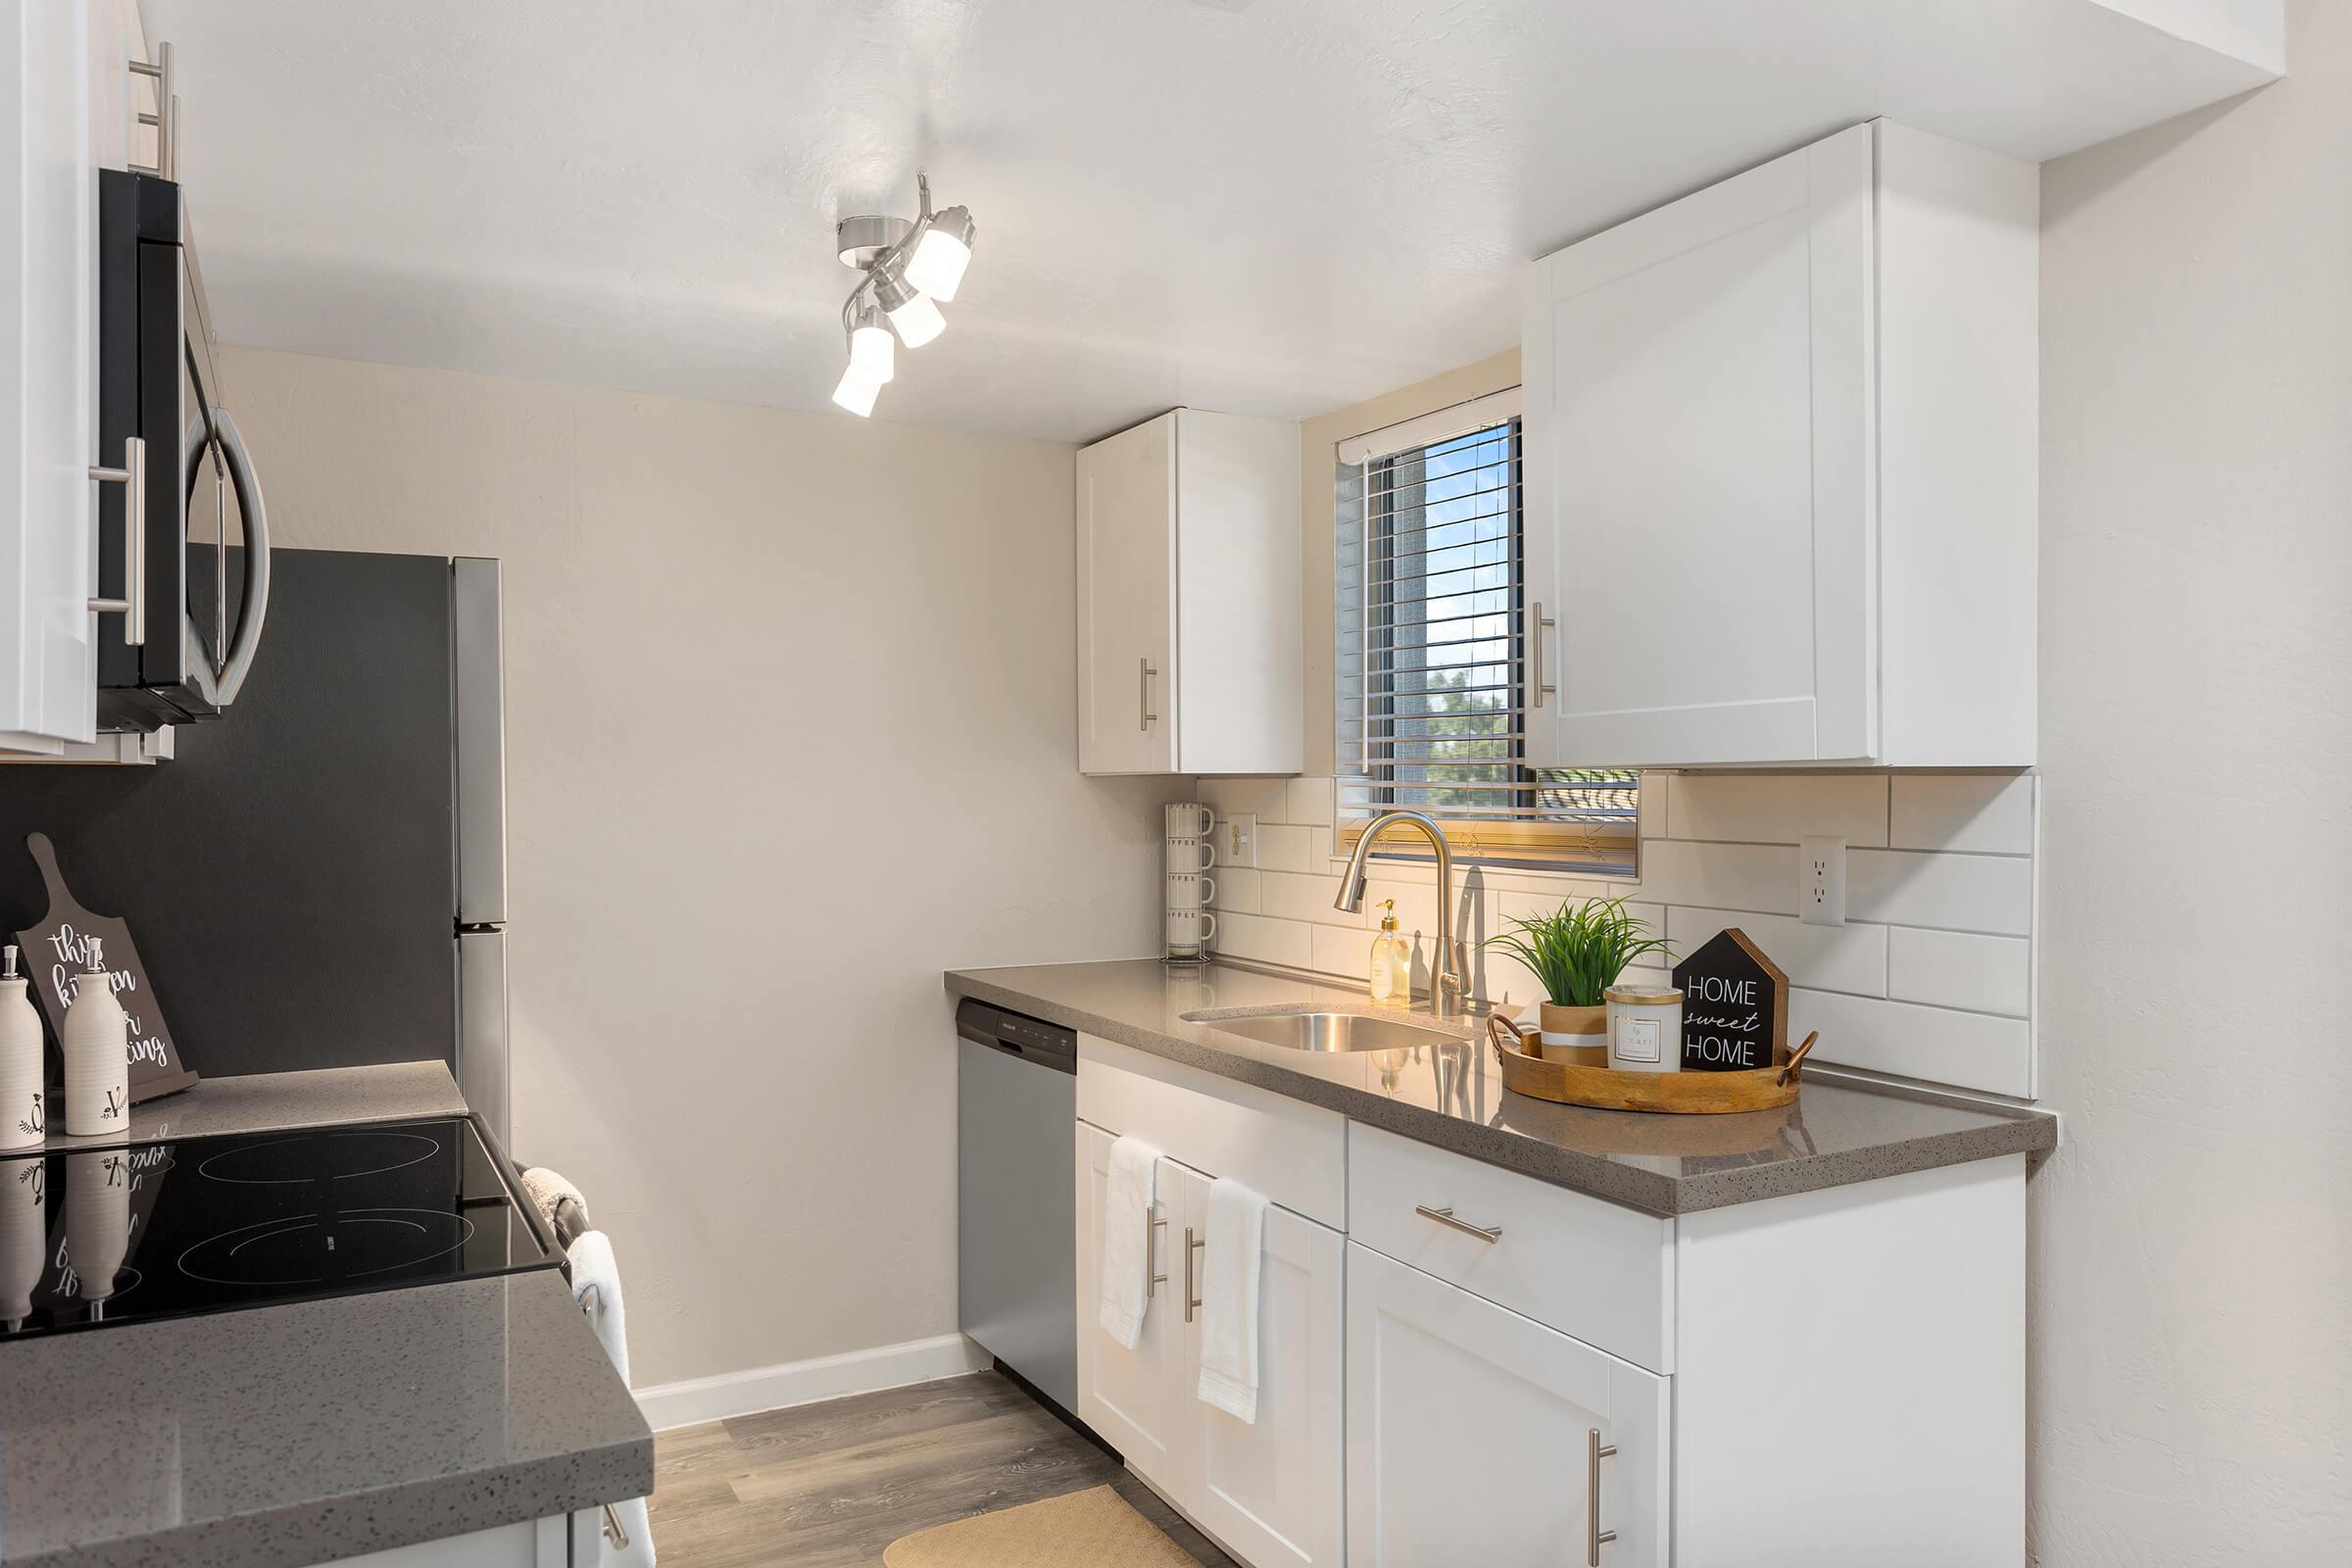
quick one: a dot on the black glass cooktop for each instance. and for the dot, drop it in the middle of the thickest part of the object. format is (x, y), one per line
(164, 1228)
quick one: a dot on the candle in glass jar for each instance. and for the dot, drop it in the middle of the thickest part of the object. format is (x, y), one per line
(1645, 1028)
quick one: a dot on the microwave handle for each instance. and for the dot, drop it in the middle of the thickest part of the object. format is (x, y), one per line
(237, 662)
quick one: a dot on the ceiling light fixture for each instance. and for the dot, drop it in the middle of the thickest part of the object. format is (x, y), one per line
(907, 267)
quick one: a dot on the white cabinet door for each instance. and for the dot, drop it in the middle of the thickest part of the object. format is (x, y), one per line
(1470, 1431)
(48, 226)
(1699, 483)
(1131, 1397)
(1127, 692)
(1270, 1491)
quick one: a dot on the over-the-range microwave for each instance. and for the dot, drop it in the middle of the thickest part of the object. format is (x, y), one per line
(189, 538)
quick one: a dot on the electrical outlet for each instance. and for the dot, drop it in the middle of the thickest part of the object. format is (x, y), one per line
(1821, 881)
(1236, 839)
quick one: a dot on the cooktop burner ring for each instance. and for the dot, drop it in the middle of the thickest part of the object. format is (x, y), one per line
(249, 1151)
(287, 1224)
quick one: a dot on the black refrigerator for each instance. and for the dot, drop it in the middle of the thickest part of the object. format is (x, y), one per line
(317, 878)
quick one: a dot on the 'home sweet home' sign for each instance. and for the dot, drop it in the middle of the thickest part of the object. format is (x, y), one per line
(1734, 1006)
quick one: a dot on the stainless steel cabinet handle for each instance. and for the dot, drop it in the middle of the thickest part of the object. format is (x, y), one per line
(1153, 1278)
(133, 476)
(1594, 1536)
(613, 1531)
(1143, 706)
(1191, 1287)
(1445, 1216)
(164, 119)
(1537, 620)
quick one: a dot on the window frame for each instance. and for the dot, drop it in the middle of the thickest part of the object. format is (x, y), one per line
(1584, 848)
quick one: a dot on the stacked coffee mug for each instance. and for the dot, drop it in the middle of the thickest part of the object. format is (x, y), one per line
(1192, 850)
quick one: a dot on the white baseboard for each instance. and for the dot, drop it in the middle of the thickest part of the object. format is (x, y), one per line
(824, 1377)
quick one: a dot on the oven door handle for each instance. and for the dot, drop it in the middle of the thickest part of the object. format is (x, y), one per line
(237, 662)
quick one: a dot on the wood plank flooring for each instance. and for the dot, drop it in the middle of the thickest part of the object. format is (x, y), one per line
(830, 1485)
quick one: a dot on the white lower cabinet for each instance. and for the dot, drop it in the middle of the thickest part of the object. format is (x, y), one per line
(1268, 1490)
(1462, 1364)
(1471, 1433)
(562, 1541)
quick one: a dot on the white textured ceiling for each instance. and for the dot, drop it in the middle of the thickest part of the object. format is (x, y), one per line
(1260, 206)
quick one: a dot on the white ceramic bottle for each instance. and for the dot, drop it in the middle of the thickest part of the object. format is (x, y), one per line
(97, 1042)
(20, 1124)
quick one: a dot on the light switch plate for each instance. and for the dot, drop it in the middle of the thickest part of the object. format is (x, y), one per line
(1236, 839)
(1821, 881)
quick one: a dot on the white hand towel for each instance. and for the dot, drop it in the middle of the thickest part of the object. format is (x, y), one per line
(1127, 1239)
(1229, 1267)
(593, 1267)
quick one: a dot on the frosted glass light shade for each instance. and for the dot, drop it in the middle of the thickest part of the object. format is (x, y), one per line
(937, 268)
(857, 393)
(873, 354)
(918, 321)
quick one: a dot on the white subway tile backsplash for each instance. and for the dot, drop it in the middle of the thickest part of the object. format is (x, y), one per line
(1829, 958)
(1948, 892)
(1990, 814)
(1720, 876)
(1342, 952)
(1780, 808)
(1268, 798)
(1236, 889)
(1284, 849)
(1953, 969)
(1932, 979)
(1248, 936)
(1973, 1049)
(1654, 802)
(1311, 802)
(1289, 896)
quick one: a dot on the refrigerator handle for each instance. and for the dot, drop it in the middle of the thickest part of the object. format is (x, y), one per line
(477, 635)
(483, 1068)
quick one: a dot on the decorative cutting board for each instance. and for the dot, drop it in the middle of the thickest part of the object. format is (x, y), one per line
(56, 950)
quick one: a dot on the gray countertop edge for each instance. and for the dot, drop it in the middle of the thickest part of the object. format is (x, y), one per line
(356, 1524)
(2008, 1132)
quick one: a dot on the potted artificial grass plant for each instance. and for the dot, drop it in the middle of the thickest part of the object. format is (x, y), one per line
(1576, 952)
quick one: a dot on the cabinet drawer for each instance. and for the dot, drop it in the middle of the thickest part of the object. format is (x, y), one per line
(1590, 1268)
(1294, 1155)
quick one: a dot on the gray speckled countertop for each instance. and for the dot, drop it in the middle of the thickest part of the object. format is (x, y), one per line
(1452, 1096)
(312, 1431)
(272, 1102)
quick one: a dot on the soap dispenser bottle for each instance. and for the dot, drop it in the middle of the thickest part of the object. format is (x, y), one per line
(97, 1046)
(20, 1124)
(1392, 972)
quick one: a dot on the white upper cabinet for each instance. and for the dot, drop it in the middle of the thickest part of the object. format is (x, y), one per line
(1187, 598)
(48, 233)
(1780, 454)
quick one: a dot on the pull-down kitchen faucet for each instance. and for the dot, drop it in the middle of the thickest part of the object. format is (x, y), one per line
(1447, 997)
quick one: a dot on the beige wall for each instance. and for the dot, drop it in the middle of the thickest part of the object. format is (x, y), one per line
(2192, 1238)
(791, 719)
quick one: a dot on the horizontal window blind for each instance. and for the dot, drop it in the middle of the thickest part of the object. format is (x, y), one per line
(1431, 675)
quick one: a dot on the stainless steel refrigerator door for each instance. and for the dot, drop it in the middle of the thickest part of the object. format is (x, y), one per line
(478, 642)
(483, 1068)
(1016, 1269)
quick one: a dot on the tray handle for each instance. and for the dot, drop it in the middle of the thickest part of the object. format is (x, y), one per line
(1797, 1059)
(1500, 1029)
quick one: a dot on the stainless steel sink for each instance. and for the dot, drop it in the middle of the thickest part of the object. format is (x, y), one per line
(1328, 1031)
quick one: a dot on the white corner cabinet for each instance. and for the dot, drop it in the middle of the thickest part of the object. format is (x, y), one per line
(562, 1541)
(66, 69)
(1187, 598)
(1830, 1378)
(1781, 486)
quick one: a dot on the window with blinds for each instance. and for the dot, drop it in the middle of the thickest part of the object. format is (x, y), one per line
(1431, 690)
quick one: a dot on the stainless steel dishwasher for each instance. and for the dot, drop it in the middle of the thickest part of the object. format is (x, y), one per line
(1017, 1211)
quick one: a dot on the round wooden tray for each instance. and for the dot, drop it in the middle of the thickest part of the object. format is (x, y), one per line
(1606, 1088)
